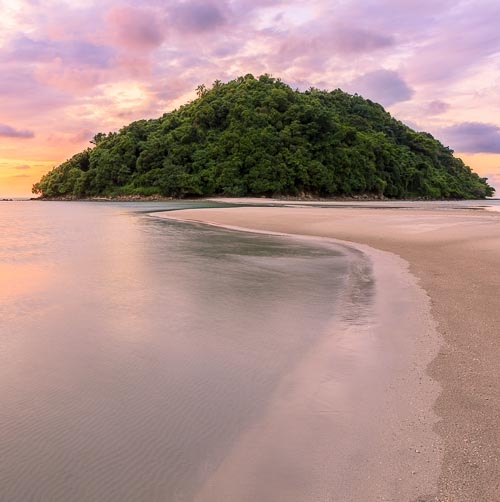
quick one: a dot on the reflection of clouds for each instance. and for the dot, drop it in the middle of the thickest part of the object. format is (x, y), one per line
(20, 279)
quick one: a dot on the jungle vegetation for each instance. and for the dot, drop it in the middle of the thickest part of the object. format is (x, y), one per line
(258, 136)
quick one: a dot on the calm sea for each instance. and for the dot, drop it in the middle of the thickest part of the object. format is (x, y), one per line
(134, 352)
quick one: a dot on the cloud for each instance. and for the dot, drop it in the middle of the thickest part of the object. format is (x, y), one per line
(21, 176)
(383, 86)
(71, 137)
(462, 39)
(42, 66)
(473, 137)
(437, 107)
(411, 124)
(135, 28)
(197, 16)
(80, 52)
(351, 40)
(319, 44)
(24, 96)
(9, 132)
(83, 135)
(493, 179)
(22, 167)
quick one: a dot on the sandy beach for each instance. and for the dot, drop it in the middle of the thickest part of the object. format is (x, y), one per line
(455, 257)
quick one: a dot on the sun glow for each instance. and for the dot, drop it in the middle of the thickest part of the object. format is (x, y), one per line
(18, 175)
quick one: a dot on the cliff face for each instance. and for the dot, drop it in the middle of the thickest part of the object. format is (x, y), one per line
(259, 137)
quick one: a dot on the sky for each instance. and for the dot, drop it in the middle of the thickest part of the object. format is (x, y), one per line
(71, 69)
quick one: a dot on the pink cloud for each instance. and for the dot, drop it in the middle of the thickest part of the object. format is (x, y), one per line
(71, 138)
(56, 74)
(135, 28)
(493, 180)
(352, 40)
(319, 40)
(437, 107)
(461, 40)
(22, 94)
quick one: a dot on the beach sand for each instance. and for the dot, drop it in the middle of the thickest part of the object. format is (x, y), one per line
(455, 256)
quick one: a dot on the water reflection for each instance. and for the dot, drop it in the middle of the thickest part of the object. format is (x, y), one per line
(133, 351)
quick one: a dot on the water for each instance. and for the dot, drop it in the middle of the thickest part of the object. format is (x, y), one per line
(135, 352)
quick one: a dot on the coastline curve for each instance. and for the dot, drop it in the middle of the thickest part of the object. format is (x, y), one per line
(382, 446)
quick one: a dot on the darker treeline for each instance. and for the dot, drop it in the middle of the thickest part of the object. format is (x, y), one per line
(257, 136)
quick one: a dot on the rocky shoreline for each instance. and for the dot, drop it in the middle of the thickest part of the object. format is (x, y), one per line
(299, 198)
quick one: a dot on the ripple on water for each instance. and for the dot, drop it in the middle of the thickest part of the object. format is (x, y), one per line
(135, 352)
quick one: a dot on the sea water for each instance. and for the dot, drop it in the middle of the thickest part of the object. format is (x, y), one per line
(135, 352)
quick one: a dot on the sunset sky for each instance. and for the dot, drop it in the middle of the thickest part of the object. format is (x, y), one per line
(72, 69)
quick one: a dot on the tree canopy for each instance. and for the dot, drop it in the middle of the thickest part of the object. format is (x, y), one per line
(257, 136)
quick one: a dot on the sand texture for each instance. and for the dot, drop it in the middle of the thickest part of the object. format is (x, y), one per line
(455, 256)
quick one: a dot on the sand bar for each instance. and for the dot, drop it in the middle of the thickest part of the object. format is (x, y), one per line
(455, 254)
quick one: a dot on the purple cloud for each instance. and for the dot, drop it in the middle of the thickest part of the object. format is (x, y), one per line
(136, 28)
(411, 124)
(383, 86)
(78, 52)
(22, 167)
(350, 40)
(437, 107)
(197, 16)
(9, 132)
(473, 137)
(463, 38)
(84, 135)
(24, 97)
(322, 40)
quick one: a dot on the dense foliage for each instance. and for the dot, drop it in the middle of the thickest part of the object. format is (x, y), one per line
(259, 137)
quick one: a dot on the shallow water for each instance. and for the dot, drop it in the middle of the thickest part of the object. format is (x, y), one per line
(135, 352)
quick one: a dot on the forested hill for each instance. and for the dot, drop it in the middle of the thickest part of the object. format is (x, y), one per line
(257, 136)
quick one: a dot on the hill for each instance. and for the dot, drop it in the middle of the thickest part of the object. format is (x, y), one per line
(257, 136)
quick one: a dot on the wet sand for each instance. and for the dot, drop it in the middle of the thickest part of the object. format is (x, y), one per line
(455, 255)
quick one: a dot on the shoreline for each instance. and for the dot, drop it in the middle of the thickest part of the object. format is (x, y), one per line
(392, 436)
(436, 244)
(251, 199)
